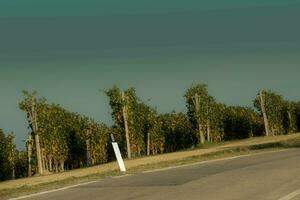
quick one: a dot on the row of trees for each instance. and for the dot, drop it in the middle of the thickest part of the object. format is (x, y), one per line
(141, 130)
(62, 140)
(13, 162)
(214, 121)
(144, 131)
(282, 116)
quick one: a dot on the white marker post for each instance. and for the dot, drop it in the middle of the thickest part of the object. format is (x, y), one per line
(118, 154)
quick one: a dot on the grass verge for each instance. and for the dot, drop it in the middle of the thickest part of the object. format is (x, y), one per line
(31, 185)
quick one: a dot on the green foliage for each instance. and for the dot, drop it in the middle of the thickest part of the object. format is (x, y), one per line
(282, 114)
(136, 122)
(99, 142)
(117, 104)
(290, 113)
(21, 165)
(297, 115)
(178, 132)
(142, 119)
(8, 156)
(205, 101)
(198, 104)
(12, 153)
(3, 157)
(218, 121)
(63, 135)
(241, 122)
(157, 135)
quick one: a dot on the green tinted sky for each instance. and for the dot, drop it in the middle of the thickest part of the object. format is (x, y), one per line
(68, 50)
(103, 7)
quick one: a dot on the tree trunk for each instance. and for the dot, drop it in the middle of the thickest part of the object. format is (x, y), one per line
(290, 123)
(88, 152)
(38, 154)
(62, 166)
(56, 166)
(208, 124)
(13, 173)
(37, 138)
(125, 116)
(148, 144)
(29, 152)
(208, 130)
(43, 159)
(46, 163)
(197, 106)
(263, 110)
(50, 165)
(202, 139)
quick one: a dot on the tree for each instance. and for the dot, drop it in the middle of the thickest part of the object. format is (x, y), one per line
(63, 135)
(8, 157)
(177, 131)
(21, 165)
(156, 136)
(263, 110)
(32, 106)
(216, 122)
(290, 117)
(275, 110)
(11, 154)
(99, 143)
(125, 118)
(124, 107)
(29, 144)
(3, 157)
(116, 103)
(200, 107)
(241, 122)
(297, 116)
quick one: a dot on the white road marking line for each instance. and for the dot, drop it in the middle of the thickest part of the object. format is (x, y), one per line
(50, 191)
(65, 188)
(291, 195)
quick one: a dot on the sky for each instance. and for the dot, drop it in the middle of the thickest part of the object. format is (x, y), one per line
(70, 50)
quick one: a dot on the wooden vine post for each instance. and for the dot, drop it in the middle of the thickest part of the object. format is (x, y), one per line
(125, 116)
(33, 118)
(263, 110)
(196, 102)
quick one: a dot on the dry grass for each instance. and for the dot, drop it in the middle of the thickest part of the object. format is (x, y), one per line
(262, 142)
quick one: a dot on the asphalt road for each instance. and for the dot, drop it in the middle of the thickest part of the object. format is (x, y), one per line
(265, 176)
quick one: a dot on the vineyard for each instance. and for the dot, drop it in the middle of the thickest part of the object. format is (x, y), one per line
(61, 140)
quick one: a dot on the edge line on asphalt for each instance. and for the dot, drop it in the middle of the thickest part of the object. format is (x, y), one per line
(216, 160)
(50, 191)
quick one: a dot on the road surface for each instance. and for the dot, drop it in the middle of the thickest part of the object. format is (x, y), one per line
(267, 176)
